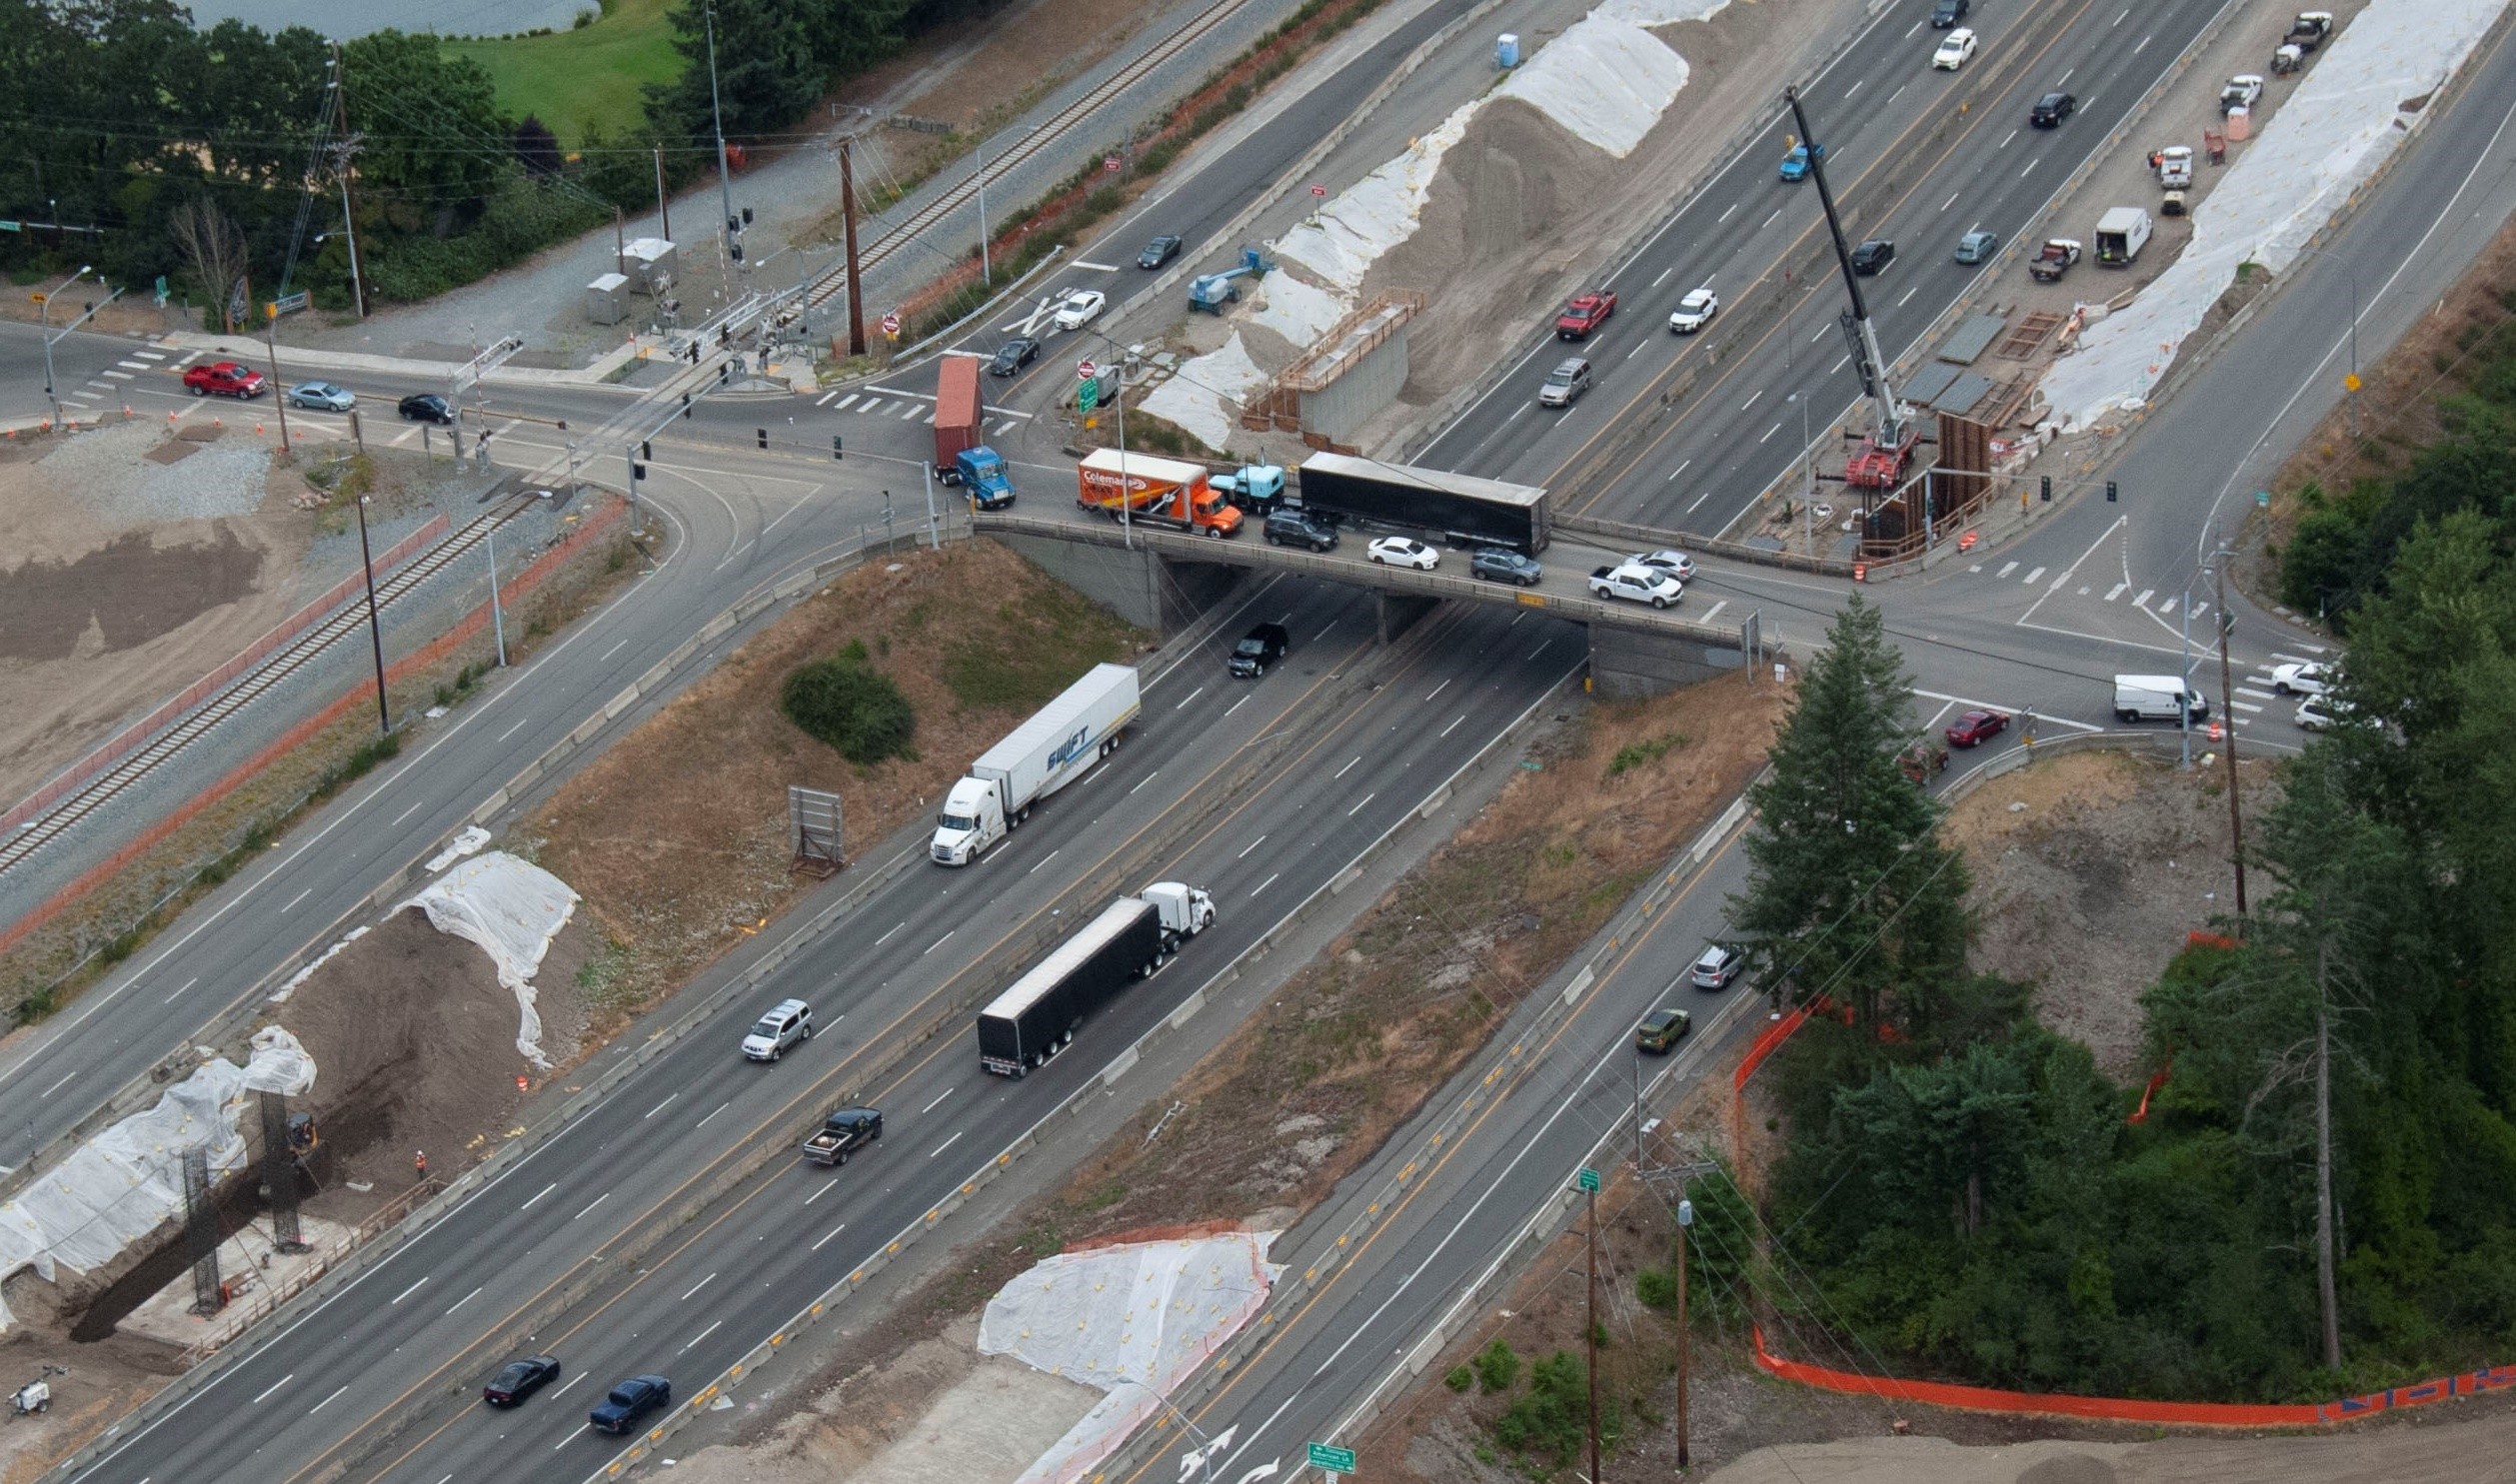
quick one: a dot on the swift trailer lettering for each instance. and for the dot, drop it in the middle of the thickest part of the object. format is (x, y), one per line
(1455, 507)
(1051, 749)
(1037, 1017)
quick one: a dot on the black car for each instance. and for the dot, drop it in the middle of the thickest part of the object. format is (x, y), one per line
(1014, 354)
(1258, 649)
(1947, 13)
(1159, 251)
(427, 406)
(1296, 527)
(2052, 109)
(1873, 256)
(629, 1401)
(518, 1379)
(1502, 565)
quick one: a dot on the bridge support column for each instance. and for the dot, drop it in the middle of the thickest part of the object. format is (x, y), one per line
(1400, 611)
(1146, 589)
(1629, 663)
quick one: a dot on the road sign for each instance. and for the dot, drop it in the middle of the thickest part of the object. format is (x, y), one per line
(2350, 382)
(1589, 1180)
(1319, 191)
(2262, 499)
(1085, 371)
(1110, 163)
(890, 324)
(289, 304)
(1332, 1460)
(37, 298)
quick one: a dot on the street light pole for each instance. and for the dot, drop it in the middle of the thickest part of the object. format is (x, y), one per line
(2184, 676)
(497, 614)
(1686, 1220)
(716, 108)
(43, 315)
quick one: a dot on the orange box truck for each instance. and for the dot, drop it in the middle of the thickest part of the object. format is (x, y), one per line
(1156, 492)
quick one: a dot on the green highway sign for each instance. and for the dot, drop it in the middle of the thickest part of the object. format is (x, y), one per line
(1332, 1460)
(1589, 1181)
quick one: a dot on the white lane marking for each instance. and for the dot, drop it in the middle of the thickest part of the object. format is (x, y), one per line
(151, 355)
(1699, 500)
(668, 1097)
(1752, 398)
(694, 1287)
(120, 375)
(1665, 273)
(1769, 221)
(1438, 689)
(940, 942)
(826, 1188)
(912, 410)
(274, 1386)
(1455, 723)
(871, 403)
(188, 984)
(2007, 569)
(1641, 345)
(1348, 767)
(1323, 633)
(2030, 578)
(408, 813)
(55, 1088)
(511, 730)
(326, 1401)
(616, 646)
(947, 1143)
(1908, 296)
(938, 1102)
(1366, 799)
(1854, 88)
(1725, 215)
(1146, 778)
(1952, 201)
(2144, 46)
(2246, 705)
(294, 901)
(466, 1298)
(1714, 611)
(2064, 79)
(1235, 705)
(1263, 885)
(2115, 592)
(2118, 20)
(878, 943)
(1840, 362)
(2168, 606)
(598, 1200)
(825, 396)
(1191, 696)
(545, 1190)
(1893, 97)
(2004, 143)
(414, 1288)
(563, 1386)
(1769, 432)
(2030, 170)
(1045, 859)
(834, 1231)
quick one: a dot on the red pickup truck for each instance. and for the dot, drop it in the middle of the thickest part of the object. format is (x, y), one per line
(1584, 313)
(225, 378)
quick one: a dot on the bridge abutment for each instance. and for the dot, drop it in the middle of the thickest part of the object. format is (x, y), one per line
(1139, 585)
(1630, 663)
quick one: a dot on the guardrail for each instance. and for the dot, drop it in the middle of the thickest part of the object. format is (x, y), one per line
(1074, 1103)
(1710, 545)
(1403, 579)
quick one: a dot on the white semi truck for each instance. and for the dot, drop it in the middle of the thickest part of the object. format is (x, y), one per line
(1041, 755)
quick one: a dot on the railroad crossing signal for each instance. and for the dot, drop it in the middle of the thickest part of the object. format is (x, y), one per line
(1332, 1460)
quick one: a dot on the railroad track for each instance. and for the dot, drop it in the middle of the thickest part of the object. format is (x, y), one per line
(299, 653)
(832, 284)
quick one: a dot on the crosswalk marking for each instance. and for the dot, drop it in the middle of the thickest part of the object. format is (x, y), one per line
(825, 396)
(2246, 705)
(120, 375)
(2030, 578)
(2257, 695)
(2009, 568)
(2166, 608)
(871, 403)
(134, 365)
(911, 411)
(150, 355)
(2115, 592)
(852, 397)
(2144, 600)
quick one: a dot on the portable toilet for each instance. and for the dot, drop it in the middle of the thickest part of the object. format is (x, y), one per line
(607, 298)
(1507, 51)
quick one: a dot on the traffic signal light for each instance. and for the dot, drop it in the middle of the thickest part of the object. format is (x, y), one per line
(2046, 489)
(685, 404)
(724, 372)
(636, 471)
(646, 449)
(837, 450)
(738, 252)
(763, 436)
(2109, 492)
(694, 353)
(747, 216)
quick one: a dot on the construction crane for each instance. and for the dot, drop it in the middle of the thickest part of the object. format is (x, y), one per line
(1885, 454)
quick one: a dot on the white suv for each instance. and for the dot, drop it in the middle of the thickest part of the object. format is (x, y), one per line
(789, 1022)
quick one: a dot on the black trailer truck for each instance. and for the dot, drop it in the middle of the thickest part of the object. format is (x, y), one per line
(1461, 509)
(1033, 1021)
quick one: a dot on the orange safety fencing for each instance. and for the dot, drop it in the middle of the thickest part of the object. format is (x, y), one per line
(2103, 1408)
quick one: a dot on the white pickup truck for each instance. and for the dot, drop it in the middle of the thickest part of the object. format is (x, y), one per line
(1636, 584)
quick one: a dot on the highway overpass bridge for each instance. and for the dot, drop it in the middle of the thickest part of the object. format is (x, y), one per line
(1159, 578)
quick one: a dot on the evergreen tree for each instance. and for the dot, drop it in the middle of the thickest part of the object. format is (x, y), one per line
(1850, 894)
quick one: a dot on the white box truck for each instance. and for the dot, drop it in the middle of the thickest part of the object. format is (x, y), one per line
(2120, 235)
(2156, 697)
(1037, 1015)
(1041, 755)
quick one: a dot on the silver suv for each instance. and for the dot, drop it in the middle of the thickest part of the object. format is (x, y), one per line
(789, 1022)
(1719, 966)
(1565, 384)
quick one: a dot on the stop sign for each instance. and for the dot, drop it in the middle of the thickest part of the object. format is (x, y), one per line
(890, 324)
(1086, 371)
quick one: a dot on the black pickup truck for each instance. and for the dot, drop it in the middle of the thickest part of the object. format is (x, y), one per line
(841, 1133)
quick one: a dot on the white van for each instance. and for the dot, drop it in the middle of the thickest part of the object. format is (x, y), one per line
(2156, 697)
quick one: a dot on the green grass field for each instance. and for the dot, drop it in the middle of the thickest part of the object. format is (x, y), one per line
(583, 79)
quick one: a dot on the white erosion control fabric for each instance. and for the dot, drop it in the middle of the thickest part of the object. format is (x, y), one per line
(1125, 1318)
(1606, 80)
(1295, 310)
(1205, 394)
(2341, 125)
(512, 908)
(128, 1180)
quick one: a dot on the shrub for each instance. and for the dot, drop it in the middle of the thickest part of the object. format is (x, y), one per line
(1657, 1287)
(1459, 1378)
(855, 710)
(1553, 1416)
(1497, 1366)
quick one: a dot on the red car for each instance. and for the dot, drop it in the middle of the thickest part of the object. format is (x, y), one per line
(1584, 313)
(225, 378)
(1977, 727)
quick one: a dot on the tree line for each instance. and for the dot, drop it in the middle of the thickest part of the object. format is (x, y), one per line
(2322, 1198)
(133, 142)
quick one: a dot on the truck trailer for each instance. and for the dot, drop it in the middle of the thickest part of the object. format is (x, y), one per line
(1037, 1017)
(961, 457)
(2120, 235)
(1458, 508)
(1051, 749)
(1154, 492)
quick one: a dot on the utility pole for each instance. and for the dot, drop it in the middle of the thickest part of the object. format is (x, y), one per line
(2323, 1158)
(715, 107)
(497, 612)
(43, 316)
(987, 270)
(933, 533)
(342, 154)
(855, 283)
(663, 211)
(375, 625)
(2184, 696)
(620, 242)
(1590, 1326)
(2236, 823)
(279, 398)
(1686, 1220)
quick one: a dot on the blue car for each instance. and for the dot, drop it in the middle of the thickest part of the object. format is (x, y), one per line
(1795, 164)
(629, 1401)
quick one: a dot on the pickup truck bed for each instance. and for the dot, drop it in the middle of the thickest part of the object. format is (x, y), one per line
(841, 1133)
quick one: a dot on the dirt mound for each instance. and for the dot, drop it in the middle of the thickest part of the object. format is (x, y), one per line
(414, 1041)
